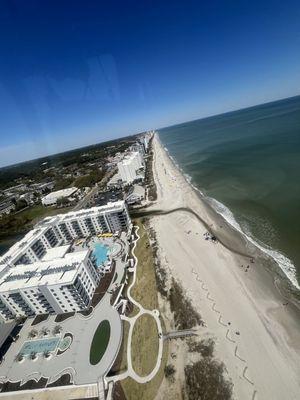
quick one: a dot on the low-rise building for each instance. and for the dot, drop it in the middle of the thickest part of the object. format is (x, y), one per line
(6, 207)
(129, 167)
(42, 187)
(52, 198)
(136, 194)
(115, 181)
(28, 197)
(22, 187)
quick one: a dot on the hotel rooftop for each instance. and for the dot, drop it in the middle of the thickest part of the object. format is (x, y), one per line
(55, 271)
(42, 226)
(26, 241)
(88, 212)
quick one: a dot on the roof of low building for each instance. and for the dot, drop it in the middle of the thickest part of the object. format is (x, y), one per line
(60, 193)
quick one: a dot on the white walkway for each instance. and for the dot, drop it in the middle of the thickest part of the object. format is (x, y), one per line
(142, 311)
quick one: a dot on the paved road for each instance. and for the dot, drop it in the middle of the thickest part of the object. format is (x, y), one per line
(83, 203)
(86, 199)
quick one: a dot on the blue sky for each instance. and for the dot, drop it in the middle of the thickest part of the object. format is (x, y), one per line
(74, 73)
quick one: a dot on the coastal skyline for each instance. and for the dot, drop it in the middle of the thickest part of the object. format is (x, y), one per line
(158, 129)
(137, 132)
(74, 77)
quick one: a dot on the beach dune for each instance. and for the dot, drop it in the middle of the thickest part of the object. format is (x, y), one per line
(257, 334)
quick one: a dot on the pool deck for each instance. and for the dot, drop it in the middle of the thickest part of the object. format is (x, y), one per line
(76, 359)
(114, 246)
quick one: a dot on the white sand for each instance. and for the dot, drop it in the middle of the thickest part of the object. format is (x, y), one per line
(263, 362)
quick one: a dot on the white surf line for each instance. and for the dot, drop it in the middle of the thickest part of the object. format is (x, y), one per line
(284, 263)
(142, 311)
(225, 325)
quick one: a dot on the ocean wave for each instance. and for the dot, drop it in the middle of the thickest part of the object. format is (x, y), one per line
(284, 263)
(186, 176)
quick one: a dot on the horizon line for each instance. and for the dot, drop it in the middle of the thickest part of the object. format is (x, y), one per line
(140, 132)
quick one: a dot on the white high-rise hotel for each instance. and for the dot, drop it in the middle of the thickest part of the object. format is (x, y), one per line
(129, 166)
(39, 275)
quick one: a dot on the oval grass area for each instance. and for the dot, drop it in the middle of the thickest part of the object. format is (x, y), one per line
(100, 342)
(144, 345)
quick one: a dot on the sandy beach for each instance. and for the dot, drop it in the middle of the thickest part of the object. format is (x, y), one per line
(256, 331)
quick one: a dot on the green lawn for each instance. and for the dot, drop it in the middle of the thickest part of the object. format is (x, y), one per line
(100, 342)
(147, 391)
(145, 336)
(145, 290)
(144, 345)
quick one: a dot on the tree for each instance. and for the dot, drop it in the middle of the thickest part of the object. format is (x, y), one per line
(170, 372)
(62, 201)
(62, 183)
(57, 329)
(46, 353)
(89, 180)
(32, 334)
(45, 331)
(21, 203)
(19, 357)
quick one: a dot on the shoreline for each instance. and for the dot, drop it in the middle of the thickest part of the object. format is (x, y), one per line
(287, 287)
(291, 282)
(246, 298)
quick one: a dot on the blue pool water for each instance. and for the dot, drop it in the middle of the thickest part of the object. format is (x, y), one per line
(100, 252)
(39, 345)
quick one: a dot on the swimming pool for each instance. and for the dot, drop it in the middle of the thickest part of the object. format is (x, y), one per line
(39, 346)
(100, 252)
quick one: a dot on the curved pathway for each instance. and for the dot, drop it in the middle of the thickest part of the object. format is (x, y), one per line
(142, 311)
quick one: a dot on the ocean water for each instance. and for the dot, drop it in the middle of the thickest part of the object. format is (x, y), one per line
(247, 163)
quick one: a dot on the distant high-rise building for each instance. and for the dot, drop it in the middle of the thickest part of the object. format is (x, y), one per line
(128, 168)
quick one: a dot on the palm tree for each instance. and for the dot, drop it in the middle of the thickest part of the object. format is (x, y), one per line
(19, 357)
(32, 334)
(44, 331)
(46, 354)
(33, 355)
(57, 329)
